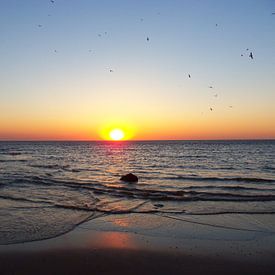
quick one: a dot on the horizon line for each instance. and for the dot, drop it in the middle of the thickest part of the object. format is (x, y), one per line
(132, 140)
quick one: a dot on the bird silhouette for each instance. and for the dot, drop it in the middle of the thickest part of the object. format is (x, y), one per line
(52, 1)
(210, 87)
(211, 109)
(189, 75)
(147, 39)
(39, 25)
(111, 71)
(251, 55)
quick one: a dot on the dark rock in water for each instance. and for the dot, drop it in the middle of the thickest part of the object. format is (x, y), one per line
(129, 177)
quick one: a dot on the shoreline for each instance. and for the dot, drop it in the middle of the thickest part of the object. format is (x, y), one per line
(146, 243)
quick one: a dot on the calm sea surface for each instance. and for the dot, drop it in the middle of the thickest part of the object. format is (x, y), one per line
(48, 188)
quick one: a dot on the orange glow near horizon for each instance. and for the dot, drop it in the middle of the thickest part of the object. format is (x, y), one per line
(117, 130)
(162, 127)
(148, 132)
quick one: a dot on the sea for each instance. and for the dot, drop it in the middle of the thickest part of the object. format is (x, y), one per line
(49, 188)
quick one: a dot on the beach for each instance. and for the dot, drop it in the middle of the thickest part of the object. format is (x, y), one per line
(199, 207)
(148, 244)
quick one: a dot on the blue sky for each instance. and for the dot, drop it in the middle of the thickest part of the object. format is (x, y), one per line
(65, 63)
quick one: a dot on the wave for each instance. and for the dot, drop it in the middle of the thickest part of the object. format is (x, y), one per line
(13, 160)
(233, 188)
(22, 199)
(99, 208)
(192, 156)
(193, 196)
(36, 180)
(58, 167)
(248, 212)
(269, 167)
(137, 208)
(185, 193)
(50, 166)
(238, 179)
(14, 153)
(10, 152)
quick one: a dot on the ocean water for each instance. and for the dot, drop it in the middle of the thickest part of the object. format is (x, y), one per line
(48, 188)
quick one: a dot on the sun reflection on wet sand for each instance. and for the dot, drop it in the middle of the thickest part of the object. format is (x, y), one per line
(117, 240)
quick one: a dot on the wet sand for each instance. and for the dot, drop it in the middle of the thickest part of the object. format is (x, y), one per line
(148, 244)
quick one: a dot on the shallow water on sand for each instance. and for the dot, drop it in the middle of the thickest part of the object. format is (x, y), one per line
(47, 188)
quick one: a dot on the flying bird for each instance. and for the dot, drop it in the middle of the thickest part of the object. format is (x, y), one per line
(251, 55)
(211, 109)
(216, 95)
(39, 25)
(147, 39)
(210, 87)
(52, 1)
(230, 106)
(241, 54)
(189, 75)
(111, 71)
(216, 25)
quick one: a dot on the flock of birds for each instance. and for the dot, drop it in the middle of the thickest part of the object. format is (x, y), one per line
(251, 56)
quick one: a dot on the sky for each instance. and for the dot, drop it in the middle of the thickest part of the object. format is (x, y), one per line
(76, 69)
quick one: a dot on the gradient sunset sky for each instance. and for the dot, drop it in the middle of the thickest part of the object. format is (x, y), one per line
(56, 83)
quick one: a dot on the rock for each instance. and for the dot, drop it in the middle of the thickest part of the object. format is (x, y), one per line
(129, 178)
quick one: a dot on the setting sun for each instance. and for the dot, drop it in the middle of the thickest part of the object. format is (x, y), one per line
(117, 134)
(117, 129)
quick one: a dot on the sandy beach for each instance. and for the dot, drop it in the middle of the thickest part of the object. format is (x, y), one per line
(148, 244)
